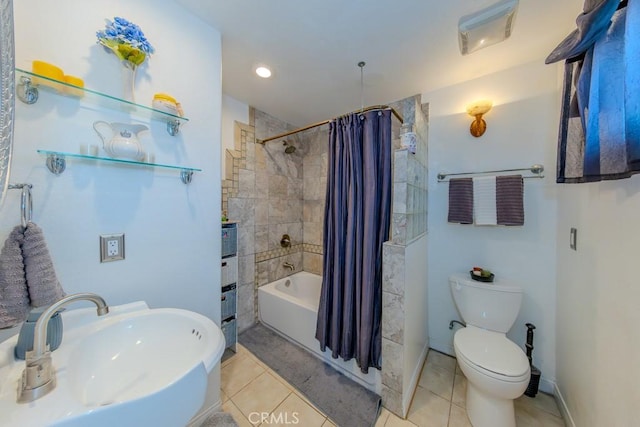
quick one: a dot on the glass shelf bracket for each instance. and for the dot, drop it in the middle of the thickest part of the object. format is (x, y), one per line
(29, 85)
(56, 163)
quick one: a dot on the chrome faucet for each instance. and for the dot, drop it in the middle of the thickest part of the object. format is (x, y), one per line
(289, 266)
(38, 377)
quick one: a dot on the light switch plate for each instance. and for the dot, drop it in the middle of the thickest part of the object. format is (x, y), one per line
(573, 239)
(111, 247)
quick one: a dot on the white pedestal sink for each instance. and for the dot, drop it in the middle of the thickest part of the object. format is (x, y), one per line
(132, 367)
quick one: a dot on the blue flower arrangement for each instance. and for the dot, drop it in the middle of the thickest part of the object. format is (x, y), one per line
(126, 40)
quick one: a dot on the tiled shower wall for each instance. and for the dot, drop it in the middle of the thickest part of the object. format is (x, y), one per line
(271, 193)
(263, 192)
(315, 142)
(409, 224)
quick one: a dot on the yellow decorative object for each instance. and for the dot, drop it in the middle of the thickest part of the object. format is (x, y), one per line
(167, 104)
(164, 97)
(47, 70)
(76, 81)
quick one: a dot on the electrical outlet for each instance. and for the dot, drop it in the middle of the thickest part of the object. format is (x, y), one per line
(111, 247)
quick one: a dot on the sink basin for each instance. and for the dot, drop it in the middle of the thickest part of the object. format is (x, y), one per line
(134, 366)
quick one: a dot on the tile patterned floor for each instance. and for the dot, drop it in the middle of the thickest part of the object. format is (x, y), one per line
(250, 389)
(253, 393)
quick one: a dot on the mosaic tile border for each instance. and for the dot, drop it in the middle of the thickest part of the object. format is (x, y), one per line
(314, 249)
(276, 253)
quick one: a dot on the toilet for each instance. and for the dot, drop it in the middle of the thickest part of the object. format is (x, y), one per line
(496, 368)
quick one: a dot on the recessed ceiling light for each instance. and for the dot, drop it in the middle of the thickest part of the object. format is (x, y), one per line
(263, 72)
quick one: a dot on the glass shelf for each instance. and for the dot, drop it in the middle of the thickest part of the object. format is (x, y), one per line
(56, 163)
(30, 83)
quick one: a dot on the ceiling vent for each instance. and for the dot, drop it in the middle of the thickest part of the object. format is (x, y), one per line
(487, 26)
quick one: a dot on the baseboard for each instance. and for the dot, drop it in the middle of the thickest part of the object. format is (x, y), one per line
(445, 347)
(564, 409)
(547, 386)
(406, 396)
(199, 419)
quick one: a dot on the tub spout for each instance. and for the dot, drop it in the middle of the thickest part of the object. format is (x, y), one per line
(38, 377)
(289, 266)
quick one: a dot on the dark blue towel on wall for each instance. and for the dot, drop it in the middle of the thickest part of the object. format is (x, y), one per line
(461, 200)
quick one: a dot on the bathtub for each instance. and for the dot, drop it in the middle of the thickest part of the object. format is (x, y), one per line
(290, 307)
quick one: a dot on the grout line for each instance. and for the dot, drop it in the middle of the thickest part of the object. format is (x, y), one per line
(247, 384)
(281, 402)
(240, 412)
(449, 416)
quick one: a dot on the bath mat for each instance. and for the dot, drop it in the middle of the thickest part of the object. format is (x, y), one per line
(219, 419)
(345, 402)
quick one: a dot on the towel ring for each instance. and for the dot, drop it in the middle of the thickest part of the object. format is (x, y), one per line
(26, 202)
(26, 206)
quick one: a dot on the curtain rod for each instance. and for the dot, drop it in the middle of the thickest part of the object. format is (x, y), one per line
(536, 169)
(324, 122)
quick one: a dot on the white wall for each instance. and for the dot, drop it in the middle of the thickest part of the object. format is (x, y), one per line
(416, 331)
(172, 230)
(598, 350)
(521, 131)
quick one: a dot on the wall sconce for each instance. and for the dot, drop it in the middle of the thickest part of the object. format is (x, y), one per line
(477, 110)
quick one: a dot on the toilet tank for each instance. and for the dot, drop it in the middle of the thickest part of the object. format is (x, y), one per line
(492, 306)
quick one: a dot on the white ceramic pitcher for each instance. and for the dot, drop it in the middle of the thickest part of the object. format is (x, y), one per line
(121, 139)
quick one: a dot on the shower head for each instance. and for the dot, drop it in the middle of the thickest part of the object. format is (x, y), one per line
(290, 148)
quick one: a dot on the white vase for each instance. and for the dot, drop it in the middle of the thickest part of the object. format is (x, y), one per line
(128, 81)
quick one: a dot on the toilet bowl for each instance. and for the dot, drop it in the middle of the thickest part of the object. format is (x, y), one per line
(497, 370)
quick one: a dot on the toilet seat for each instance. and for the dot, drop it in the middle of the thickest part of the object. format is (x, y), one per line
(492, 354)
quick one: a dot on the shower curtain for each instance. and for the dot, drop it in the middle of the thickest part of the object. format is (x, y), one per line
(356, 223)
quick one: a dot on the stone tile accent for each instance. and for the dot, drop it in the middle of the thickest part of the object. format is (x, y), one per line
(393, 271)
(261, 211)
(246, 269)
(392, 400)
(313, 233)
(392, 361)
(262, 238)
(262, 273)
(278, 186)
(242, 211)
(393, 317)
(247, 183)
(246, 239)
(245, 298)
(312, 262)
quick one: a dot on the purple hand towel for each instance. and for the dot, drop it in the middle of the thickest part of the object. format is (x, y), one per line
(509, 200)
(43, 285)
(461, 200)
(14, 295)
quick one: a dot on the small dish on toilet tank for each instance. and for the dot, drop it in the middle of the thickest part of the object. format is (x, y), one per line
(482, 278)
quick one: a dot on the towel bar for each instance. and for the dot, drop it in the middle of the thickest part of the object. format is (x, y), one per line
(537, 171)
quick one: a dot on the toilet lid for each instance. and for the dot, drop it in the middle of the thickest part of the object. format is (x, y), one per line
(492, 351)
